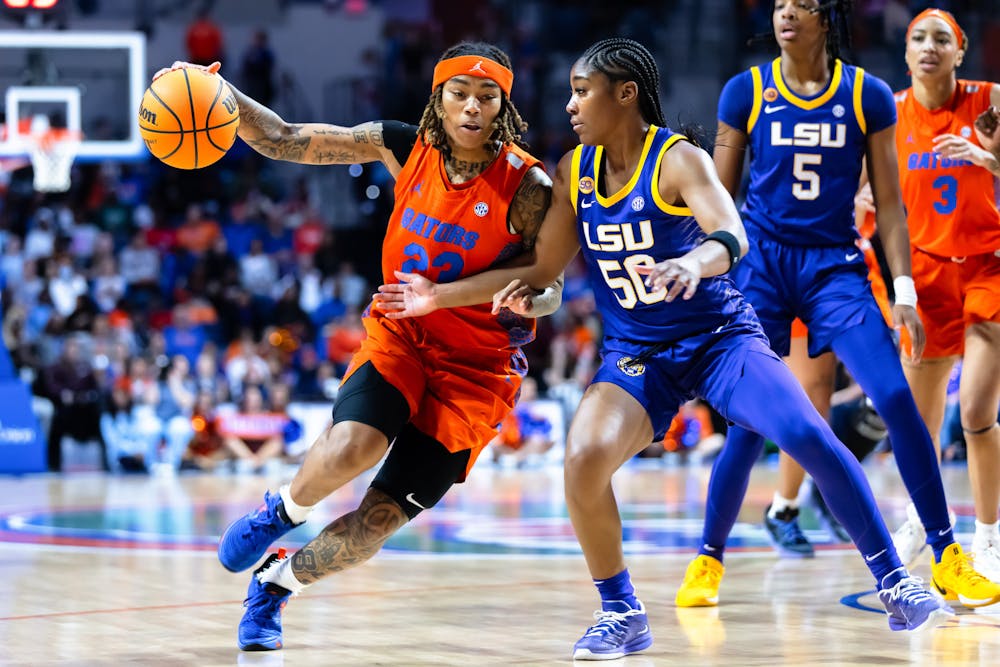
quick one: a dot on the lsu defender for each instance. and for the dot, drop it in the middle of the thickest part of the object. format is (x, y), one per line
(810, 121)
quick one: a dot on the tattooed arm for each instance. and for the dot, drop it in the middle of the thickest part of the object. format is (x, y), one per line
(527, 211)
(310, 143)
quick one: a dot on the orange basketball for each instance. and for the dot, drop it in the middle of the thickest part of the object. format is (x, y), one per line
(188, 118)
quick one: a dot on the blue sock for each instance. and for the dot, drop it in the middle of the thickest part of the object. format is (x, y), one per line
(616, 589)
(939, 541)
(714, 552)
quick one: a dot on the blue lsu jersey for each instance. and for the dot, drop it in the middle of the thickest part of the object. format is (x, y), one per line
(632, 228)
(806, 153)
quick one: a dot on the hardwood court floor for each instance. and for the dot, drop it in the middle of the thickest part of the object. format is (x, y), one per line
(103, 570)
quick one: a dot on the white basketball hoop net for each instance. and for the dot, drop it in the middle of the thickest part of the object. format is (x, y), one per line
(52, 153)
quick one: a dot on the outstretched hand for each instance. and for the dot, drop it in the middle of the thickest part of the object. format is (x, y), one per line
(907, 317)
(677, 276)
(180, 64)
(988, 130)
(958, 148)
(412, 296)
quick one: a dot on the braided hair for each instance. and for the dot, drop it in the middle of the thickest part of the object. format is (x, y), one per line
(836, 14)
(622, 59)
(508, 125)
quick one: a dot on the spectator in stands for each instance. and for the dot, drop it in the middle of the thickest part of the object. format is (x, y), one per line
(198, 232)
(257, 69)
(183, 336)
(244, 365)
(140, 269)
(258, 271)
(65, 285)
(72, 387)
(206, 448)
(108, 285)
(131, 446)
(203, 38)
(208, 377)
(253, 434)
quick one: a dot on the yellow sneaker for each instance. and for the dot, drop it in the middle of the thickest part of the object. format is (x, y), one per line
(956, 579)
(701, 583)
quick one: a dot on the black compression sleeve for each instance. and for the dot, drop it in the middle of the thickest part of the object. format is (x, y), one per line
(399, 138)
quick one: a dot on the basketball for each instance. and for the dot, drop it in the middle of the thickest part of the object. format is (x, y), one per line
(188, 118)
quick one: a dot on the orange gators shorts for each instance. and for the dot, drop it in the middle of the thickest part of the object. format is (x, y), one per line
(879, 291)
(458, 395)
(952, 294)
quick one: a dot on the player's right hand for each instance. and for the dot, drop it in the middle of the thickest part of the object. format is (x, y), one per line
(987, 131)
(413, 296)
(180, 64)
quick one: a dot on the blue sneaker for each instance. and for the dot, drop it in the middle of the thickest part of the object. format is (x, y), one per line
(617, 633)
(785, 534)
(260, 627)
(247, 538)
(910, 606)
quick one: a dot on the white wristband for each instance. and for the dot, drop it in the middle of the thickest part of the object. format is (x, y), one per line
(906, 293)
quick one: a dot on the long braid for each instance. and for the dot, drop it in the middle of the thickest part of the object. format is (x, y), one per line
(622, 59)
(838, 40)
(508, 125)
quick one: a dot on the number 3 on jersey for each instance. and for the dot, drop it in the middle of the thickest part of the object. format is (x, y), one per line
(450, 264)
(948, 185)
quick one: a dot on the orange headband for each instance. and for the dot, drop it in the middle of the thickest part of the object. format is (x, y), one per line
(479, 66)
(963, 41)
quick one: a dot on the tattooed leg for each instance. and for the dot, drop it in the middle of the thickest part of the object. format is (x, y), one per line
(350, 540)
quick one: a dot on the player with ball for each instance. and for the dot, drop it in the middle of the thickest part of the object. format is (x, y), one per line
(468, 198)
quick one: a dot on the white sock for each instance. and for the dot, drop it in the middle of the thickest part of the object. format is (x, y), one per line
(280, 573)
(297, 513)
(986, 533)
(780, 503)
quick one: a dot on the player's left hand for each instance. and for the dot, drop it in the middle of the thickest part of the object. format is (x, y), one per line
(679, 275)
(988, 130)
(957, 148)
(906, 316)
(412, 296)
(518, 297)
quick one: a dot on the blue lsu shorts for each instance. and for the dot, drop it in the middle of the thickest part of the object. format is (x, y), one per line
(707, 365)
(826, 287)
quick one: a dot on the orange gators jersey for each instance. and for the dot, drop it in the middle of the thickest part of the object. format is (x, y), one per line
(445, 232)
(950, 204)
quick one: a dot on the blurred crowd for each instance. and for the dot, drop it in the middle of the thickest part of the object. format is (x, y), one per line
(173, 316)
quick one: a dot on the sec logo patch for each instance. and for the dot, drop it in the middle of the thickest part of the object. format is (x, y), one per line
(586, 185)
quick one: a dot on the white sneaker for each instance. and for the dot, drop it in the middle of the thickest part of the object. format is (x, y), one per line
(910, 539)
(986, 558)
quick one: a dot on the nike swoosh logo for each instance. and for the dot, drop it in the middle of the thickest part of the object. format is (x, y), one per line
(944, 532)
(850, 257)
(770, 109)
(411, 499)
(644, 630)
(874, 556)
(586, 204)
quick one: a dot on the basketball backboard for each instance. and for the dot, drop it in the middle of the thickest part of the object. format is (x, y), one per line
(87, 82)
